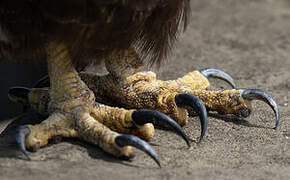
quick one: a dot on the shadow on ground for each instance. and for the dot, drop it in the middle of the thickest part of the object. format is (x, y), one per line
(248, 39)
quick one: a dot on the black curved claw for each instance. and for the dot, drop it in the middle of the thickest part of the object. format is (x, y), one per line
(258, 94)
(43, 82)
(128, 140)
(21, 133)
(19, 94)
(194, 102)
(143, 116)
(217, 73)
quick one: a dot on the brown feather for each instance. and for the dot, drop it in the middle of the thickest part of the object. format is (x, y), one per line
(91, 28)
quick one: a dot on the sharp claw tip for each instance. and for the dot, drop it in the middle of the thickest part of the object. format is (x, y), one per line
(156, 159)
(188, 144)
(160, 166)
(200, 139)
(196, 103)
(26, 155)
(158, 163)
(258, 94)
(28, 158)
(21, 134)
(128, 140)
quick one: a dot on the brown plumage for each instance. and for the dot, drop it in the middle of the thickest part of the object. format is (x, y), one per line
(91, 28)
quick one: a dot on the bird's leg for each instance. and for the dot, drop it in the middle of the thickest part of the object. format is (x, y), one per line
(73, 112)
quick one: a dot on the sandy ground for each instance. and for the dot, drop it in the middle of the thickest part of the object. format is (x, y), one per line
(250, 39)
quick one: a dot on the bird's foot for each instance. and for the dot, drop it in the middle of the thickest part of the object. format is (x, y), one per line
(128, 85)
(73, 112)
(177, 98)
(93, 122)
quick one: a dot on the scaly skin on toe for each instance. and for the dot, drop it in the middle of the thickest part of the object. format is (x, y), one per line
(129, 86)
(136, 122)
(71, 99)
(73, 112)
(39, 97)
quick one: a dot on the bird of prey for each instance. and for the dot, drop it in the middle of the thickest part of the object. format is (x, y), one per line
(118, 111)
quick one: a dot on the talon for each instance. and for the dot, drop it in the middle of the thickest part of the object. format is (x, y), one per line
(194, 102)
(258, 94)
(128, 140)
(217, 73)
(19, 95)
(21, 133)
(143, 116)
(43, 82)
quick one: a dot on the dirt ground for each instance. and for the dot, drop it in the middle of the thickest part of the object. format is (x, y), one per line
(250, 40)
